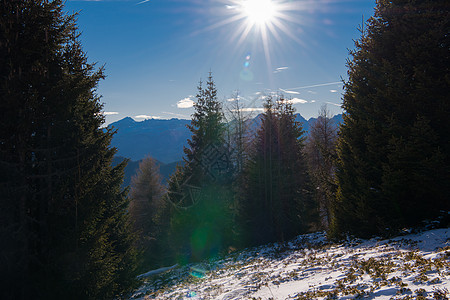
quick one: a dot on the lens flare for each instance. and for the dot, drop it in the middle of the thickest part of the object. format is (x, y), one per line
(197, 272)
(246, 74)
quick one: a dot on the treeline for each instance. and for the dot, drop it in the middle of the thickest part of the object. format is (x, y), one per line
(236, 187)
(68, 230)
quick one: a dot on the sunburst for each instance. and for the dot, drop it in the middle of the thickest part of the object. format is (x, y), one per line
(265, 17)
(259, 12)
(268, 20)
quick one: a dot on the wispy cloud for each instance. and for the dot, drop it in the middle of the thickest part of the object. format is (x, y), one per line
(315, 85)
(234, 99)
(289, 92)
(250, 109)
(328, 22)
(147, 117)
(110, 113)
(176, 115)
(142, 2)
(333, 91)
(185, 103)
(297, 101)
(335, 104)
(280, 69)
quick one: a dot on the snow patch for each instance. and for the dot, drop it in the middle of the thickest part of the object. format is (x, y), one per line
(311, 267)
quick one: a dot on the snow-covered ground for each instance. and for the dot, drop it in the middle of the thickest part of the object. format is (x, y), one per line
(414, 266)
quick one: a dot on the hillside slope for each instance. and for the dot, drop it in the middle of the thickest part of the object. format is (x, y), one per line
(414, 266)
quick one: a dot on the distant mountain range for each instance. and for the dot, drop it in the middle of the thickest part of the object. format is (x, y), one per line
(160, 139)
(164, 141)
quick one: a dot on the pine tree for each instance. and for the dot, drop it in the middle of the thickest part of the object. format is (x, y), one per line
(201, 191)
(276, 201)
(208, 132)
(393, 146)
(63, 215)
(260, 186)
(299, 210)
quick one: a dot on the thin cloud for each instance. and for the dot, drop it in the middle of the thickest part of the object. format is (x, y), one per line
(297, 101)
(185, 103)
(280, 69)
(333, 91)
(250, 109)
(110, 113)
(176, 115)
(235, 98)
(147, 117)
(142, 2)
(289, 92)
(335, 104)
(315, 85)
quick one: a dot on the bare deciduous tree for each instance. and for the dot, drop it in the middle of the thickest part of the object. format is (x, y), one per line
(321, 152)
(146, 200)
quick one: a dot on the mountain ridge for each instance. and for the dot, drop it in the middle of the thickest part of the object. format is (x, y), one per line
(165, 139)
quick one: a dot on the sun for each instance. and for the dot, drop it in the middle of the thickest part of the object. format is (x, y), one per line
(259, 12)
(261, 25)
(264, 17)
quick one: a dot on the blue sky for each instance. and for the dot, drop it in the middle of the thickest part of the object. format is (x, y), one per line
(155, 52)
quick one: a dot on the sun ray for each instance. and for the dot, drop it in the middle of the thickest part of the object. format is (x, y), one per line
(225, 22)
(286, 31)
(274, 32)
(266, 49)
(242, 32)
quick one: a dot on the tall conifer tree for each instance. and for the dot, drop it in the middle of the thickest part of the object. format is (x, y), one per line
(63, 215)
(277, 202)
(202, 192)
(393, 146)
